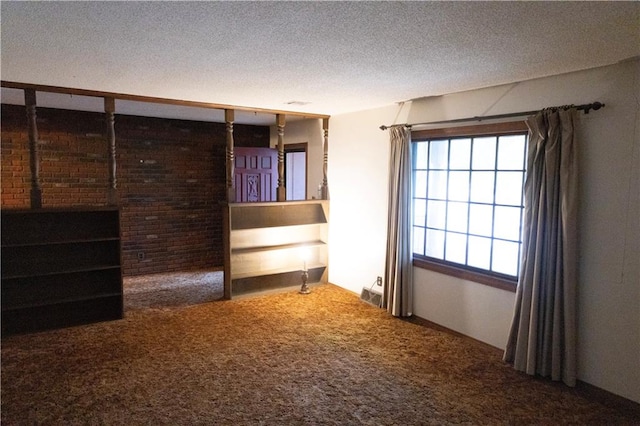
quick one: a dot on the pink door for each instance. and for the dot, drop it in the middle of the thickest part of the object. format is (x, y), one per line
(256, 174)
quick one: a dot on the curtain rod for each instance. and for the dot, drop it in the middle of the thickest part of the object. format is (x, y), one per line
(585, 107)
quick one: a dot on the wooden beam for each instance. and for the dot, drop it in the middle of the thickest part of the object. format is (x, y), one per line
(109, 110)
(230, 160)
(34, 156)
(282, 191)
(150, 99)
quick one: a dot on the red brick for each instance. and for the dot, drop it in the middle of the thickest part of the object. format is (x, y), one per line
(172, 170)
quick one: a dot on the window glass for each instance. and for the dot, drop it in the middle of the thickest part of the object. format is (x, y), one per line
(507, 223)
(438, 154)
(509, 188)
(505, 257)
(459, 186)
(468, 198)
(482, 187)
(436, 214)
(460, 154)
(419, 211)
(484, 153)
(511, 152)
(418, 239)
(437, 185)
(456, 247)
(434, 244)
(457, 216)
(420, 183)
(481, 219)
(479, 252)
(421, 155)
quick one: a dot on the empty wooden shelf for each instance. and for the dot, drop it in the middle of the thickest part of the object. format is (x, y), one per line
(60, 267)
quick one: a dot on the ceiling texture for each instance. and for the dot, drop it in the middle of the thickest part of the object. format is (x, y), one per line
(313, 57)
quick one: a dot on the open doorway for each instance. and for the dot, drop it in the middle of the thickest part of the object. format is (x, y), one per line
(295, 171)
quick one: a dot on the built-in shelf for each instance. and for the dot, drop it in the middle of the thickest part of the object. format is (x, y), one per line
(60, 267)
(269, 244)
(295, 246)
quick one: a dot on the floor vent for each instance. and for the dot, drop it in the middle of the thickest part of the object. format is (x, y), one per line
(371, 297)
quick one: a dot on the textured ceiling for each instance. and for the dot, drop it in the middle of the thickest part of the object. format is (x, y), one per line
(335, 57)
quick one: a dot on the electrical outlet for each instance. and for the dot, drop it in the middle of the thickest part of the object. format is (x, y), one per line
(140, 255)
(379, 281)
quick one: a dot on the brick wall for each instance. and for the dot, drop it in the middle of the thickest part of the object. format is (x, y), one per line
(170, 177)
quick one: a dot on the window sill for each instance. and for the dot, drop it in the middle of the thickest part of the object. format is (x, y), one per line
(478, 277)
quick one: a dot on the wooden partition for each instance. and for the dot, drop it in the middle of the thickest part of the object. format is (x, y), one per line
(268, 245)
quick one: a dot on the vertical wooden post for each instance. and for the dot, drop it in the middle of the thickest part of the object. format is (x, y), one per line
(34, 157)
(282, 191)
(325, 159)
(230, 160)
(109, 110)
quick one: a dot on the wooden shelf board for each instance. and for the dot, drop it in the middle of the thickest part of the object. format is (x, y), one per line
(64, 301)
(275, 271)
(246, 250)
(60, 242)
(63, 272)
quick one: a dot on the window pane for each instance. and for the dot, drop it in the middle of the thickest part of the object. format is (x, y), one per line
(456, 248)
(419, 211)
(511, 152)
(439, 154)
(509, 188)
(507, 223)
(482, 187)
(481, 219)
(436, 214)
(479, 255)
(438, 185)
(418, 240)
(420, 184)
(457, 217)
(460, 154)
(459, 186)
(505, 257)
(435, 244)
(421, 151)
(467, 200)
(484, 153)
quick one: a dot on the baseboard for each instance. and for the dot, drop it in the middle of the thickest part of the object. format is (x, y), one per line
(425, 322)
(587, 390)
(609, 399)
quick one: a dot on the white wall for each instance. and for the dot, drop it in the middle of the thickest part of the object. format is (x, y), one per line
(305, 131)
(609, 286)
(358, 176)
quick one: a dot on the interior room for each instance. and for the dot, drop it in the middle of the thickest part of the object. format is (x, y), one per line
(198, 212)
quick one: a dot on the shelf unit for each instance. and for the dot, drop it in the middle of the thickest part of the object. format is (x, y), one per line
(267, 245)
(60, 267)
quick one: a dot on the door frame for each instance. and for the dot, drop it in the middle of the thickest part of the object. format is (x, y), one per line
(299, 147)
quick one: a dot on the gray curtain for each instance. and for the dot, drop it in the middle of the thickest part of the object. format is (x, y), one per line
(398, 294)
(542, 340)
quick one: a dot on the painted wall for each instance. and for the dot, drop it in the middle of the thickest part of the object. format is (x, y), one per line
(609, 287)
(305, 131)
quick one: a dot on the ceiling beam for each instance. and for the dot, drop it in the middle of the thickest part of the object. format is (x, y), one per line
(150, 99)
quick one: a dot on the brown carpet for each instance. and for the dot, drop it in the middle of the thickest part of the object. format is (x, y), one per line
(172, 289)
(282, 359)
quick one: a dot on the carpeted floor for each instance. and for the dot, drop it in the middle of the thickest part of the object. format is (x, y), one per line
(172, 289)
(326, 358)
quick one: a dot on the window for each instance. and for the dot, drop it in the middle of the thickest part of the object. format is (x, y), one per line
(468, 201)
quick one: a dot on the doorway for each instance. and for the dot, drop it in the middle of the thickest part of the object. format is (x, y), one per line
(295, 171)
